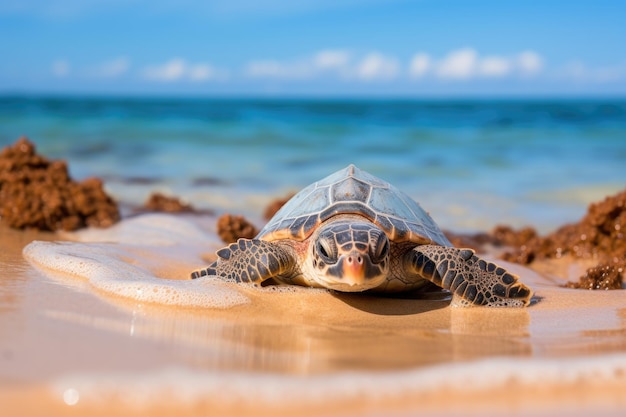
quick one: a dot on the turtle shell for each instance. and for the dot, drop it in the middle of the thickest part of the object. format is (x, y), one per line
(353, 191)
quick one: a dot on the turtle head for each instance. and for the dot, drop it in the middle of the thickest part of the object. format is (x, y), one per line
(350, 256)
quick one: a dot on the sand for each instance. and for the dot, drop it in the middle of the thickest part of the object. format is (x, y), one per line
(74, 342)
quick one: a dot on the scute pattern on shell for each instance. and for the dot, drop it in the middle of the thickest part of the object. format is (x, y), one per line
(354, 191)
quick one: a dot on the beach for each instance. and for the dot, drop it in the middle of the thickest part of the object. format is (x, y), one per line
(106, 321)
(71, 347)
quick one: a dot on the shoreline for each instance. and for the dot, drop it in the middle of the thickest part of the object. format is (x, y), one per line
(477, 342)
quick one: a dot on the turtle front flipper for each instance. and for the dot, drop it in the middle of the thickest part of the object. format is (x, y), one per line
(250, 260)
(472, 279)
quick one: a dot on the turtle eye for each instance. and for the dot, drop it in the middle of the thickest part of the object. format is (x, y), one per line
(379, 249)
(327, 250)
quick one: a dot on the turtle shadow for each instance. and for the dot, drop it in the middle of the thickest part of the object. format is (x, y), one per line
(396, 305)
(536, 299)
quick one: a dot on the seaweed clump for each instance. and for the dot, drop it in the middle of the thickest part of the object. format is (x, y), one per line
(598, 236)
(500, 236)
(158, 202)
(38, 193)
(232, 227)
(600, 277)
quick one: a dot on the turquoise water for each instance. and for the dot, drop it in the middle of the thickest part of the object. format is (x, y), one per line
(472, 164)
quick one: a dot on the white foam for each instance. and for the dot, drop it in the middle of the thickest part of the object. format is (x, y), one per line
(124, 269)
(179, 385)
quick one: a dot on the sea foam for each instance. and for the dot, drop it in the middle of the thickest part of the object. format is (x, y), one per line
(186, 387)
(125, 261)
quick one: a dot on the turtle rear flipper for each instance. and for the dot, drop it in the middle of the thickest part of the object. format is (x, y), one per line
(249, 260)
(472, 279)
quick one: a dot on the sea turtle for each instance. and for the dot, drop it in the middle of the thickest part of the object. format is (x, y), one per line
(353, 232)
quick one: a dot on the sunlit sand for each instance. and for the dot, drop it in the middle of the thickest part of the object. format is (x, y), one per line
(108, 322)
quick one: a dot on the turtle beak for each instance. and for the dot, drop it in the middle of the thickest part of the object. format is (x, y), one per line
(353, 272)
(353, 268)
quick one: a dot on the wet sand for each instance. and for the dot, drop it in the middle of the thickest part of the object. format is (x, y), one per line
(67, 347)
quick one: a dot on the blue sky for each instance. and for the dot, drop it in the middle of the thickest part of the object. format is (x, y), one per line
(314, 47)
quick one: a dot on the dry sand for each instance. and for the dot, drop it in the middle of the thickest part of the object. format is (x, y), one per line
(68, 347)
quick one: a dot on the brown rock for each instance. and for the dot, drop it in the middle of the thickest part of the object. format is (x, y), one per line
(37, 193)
(600, 277)
(162, 203)
(231, 227)
(500, 237)
(598, 236)
(472, 241)
(507, 236)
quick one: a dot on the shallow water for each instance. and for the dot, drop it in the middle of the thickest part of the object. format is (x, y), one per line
(470, 163)
(125, 347)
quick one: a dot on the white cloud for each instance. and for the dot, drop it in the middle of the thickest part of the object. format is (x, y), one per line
(173, 70)
(178, 69)
(610, 74)
(60, 68)
(264, 68)
(113, 68)
(331, 59)
(466, 64)
(420, 65)
(323, 62)
(269, 68)
(579, 72)
(494, 66)
(376, 66)
(327, 63)
(201, 72)
(339, 65)
(529, 62)
(460, 64)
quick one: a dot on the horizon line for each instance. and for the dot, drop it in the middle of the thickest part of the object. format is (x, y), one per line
(311, 96)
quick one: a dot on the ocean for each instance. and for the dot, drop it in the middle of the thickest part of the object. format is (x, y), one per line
(471, 163)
